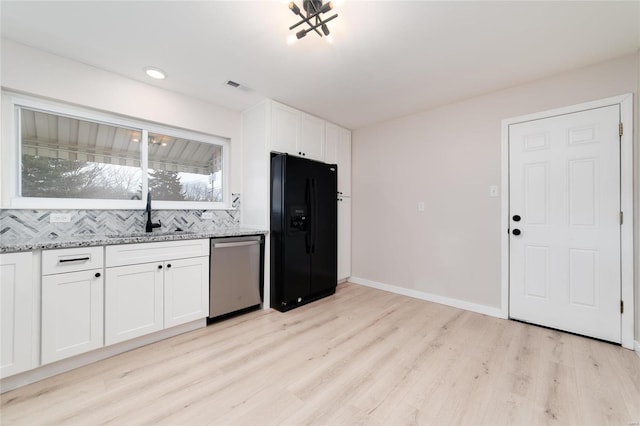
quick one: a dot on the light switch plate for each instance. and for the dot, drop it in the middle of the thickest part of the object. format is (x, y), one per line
(207, 215)
(493, 191)
(60, 218)
(420, 206)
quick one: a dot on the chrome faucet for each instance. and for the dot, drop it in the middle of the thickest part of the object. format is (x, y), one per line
(150, 225)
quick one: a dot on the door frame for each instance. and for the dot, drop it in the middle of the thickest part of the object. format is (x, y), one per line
(626, 199)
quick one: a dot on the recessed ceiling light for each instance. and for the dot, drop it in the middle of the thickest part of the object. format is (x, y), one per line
(155, 73)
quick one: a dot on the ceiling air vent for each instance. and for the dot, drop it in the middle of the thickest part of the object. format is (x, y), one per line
(237, 85)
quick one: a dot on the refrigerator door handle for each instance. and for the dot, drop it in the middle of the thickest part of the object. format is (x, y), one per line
(314, 215)
(308, 197)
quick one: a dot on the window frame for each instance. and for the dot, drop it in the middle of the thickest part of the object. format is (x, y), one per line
(11, 146)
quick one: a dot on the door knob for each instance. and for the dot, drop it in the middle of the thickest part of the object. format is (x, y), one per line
(516, 218)
(516, 232)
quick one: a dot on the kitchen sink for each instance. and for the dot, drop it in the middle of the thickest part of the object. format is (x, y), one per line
(149, 234)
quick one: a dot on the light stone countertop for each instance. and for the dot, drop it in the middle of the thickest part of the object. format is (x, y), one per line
(10, 244)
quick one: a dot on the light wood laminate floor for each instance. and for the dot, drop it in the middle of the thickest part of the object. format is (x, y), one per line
(363, 356)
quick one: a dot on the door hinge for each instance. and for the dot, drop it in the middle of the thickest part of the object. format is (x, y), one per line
(622, 306)
(621, 218)
(620, 129)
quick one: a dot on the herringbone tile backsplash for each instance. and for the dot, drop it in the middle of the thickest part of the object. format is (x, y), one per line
(24, 224)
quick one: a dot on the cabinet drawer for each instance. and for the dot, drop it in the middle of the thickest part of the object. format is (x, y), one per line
(71, 260)
(131, 254)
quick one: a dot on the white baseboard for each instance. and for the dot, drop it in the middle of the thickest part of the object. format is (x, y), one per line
(456, 303)
(637, 347)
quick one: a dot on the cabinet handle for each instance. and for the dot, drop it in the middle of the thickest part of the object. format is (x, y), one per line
(78, 259)
(159, 266)
(169, 265)
(98, 274)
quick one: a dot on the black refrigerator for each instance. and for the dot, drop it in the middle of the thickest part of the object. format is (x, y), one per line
(304, 239)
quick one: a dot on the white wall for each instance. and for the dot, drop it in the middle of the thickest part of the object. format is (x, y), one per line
(448, 157)
(42, 74)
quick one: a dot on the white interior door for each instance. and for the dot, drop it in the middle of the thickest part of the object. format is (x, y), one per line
(564, 175)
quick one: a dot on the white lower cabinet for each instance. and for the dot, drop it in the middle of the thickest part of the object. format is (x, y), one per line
(72, 302)
(133, 301)
(72, 312)
(186, 290)
(344, 238)
(96, 296)
(141, 298)
(17, 300)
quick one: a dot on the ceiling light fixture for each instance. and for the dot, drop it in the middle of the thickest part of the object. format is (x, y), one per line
(156, 73)
(313, 9)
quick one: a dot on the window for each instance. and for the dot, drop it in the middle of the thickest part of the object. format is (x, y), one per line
(64, 157)
(73, 158)
(184, 170)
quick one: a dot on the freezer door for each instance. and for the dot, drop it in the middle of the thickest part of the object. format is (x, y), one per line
(290, 233)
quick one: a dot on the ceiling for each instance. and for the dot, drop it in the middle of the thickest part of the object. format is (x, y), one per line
(389, 58)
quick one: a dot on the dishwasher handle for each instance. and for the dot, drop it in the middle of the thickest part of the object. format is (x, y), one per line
(236, 244)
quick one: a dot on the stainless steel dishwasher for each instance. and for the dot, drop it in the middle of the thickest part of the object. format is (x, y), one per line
(236, 274)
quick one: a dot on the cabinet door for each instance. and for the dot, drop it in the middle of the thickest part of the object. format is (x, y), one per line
(331, 141)
(186, 290)
(133, 301)
(338, 151)
(311, 140)
(344, 163)
(72, 314)
(17, 304)
(344, 238)
(284, 128)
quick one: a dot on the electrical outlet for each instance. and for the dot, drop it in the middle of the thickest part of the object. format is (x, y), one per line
(420, 206)
(493, 191)
(207, 215)
(60, 218)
